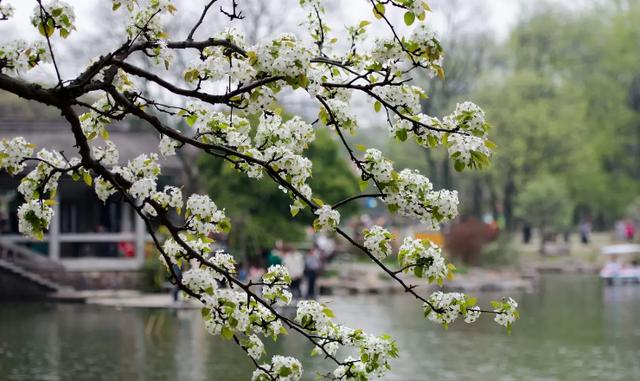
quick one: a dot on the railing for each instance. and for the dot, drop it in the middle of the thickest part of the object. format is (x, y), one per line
(26, 258)
(75, 237)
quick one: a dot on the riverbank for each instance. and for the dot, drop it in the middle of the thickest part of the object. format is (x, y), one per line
(368, 278)
(350, 279)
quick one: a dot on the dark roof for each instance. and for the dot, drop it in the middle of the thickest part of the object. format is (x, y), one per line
(57, 135)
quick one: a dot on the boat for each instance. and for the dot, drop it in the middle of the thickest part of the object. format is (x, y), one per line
(623, 264)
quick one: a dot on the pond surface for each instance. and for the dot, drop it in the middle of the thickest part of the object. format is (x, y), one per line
(572, 328)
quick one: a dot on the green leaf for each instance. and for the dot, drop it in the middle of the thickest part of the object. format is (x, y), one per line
(46, 29)
(363, 185)
(318, 201)
(459, 166)
(401, 135)
(227, 333)
(87, 178)
(409, 18)
(377, 106)
(328, 312)
(284, 371)
(191, 119)
(378, 10)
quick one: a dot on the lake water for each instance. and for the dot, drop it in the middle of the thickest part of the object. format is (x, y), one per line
(572, 328)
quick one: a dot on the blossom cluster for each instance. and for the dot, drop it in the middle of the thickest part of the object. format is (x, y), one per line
(13, 152)
(375, 351)
(205, 217)
(19, 56)
(6, 11)
(445, 307)
(142, 172)
(328, 219)
(34, 217)
(219, 128)
(52, 15)
(145, 17)
(506, 312)
(409, 193)
(108, 155)
(378, 241)
(170, 197)
(95, 121)
(275, 142)
(221, 64)
(276, 281)
(464, 133)
(284, 367)
(424, 259)
(45, 176)
(167, 146)
(283, 56)
(375, 164)
(405, 98)
(103, 188)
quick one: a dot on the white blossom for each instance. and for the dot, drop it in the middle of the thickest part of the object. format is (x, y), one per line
(328, 219)
(380, 168)
(168, 146)
(423, 258)
(6, 11)
(284, 368)
(108, 155)
(103, 188)
(34, 217)
(13, 152)
(276, 281)
(254, 347)
(378, 241)
(143, 188)
(20, 56)
(446, 307)
(506, 312)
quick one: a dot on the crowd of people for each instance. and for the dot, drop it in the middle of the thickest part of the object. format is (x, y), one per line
(303, 268)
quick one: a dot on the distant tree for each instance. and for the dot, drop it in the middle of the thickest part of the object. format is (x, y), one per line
(545, 204)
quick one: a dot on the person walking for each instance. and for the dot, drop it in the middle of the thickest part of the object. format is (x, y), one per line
(312, 263)
(293, 260)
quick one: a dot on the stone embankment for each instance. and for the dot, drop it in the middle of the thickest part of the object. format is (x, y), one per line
(355, 278)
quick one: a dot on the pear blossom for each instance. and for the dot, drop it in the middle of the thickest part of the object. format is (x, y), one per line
(328, 219)
(34, 218)
(378, 241)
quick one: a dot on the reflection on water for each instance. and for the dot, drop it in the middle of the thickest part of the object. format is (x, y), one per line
(572, 328)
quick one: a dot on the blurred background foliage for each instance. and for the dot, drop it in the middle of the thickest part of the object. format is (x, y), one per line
(562, 91)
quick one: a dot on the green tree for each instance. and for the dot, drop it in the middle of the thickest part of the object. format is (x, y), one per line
(259, 208)
(545, 204)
